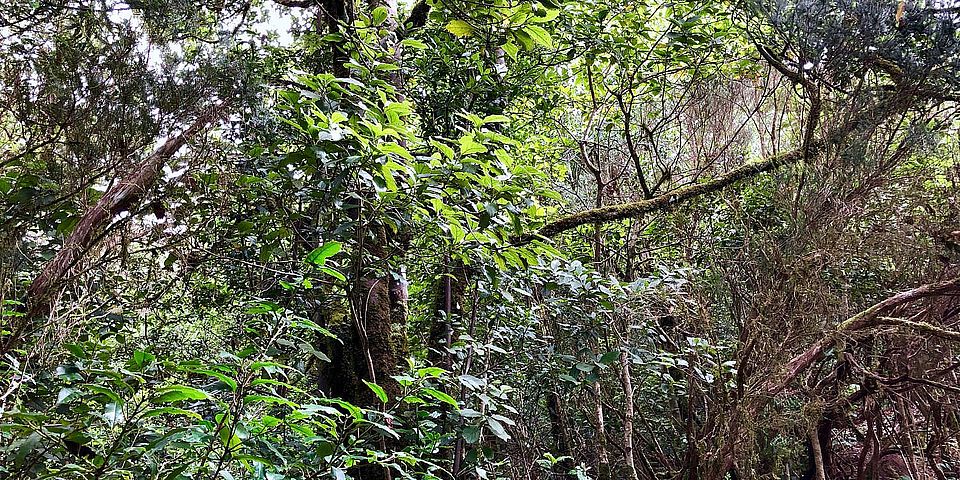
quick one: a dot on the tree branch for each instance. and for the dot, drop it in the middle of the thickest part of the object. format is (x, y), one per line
(670, 200)
(865, 319)
(122, 196)
(296, 3)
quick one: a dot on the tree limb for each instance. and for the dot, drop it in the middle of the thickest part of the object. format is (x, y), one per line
(122, 196)
(611, 213)
(296, 3)
(865, 319)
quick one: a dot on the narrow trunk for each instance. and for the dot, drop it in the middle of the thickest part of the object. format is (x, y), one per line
(447, 309)
(561, 440)
(628, 414)
(816, 453)
(602, 456)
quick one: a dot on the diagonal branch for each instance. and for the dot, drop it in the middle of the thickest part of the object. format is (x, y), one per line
(122, 196)
(670, 200)
(861, 321)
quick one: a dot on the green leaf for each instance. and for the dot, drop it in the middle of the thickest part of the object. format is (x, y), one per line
(497, 428)
(324, 449)
(264, 307)
(320, 254)
(269, 399)
(379, 14)
(396, 149)
(609, 357)
(219, 376)
(377, 390)
(24, 447)
(355, 411)
(333, 273)
(447, 151)
(524, 39)
(140, 361)
(384, 428)
(443, 397)
(472, 382)
(179, 393)
(388, 178)
(460, 28)
(432, 372)
(101, 390)
(496, 119)
(75, 349)
(548, 15)
(539, 35)
(412, 43)
(469, 145)
(308, 348)
(67, 394)
(471, 435)
(511, 49)
(170, 411)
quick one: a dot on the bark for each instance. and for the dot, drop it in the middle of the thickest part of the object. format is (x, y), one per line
(125, 195)
(628, 414)
(868, 318)
(561, 440)
(447, 307)
(603, 458)
(816, 452)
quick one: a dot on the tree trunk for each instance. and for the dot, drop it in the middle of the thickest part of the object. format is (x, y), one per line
(447, 308)
(561, 440)
(628, 414)
(816, 454)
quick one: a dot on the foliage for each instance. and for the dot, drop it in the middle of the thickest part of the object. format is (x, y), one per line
(355, 271)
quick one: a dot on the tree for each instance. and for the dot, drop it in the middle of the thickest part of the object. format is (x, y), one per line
(310, 238)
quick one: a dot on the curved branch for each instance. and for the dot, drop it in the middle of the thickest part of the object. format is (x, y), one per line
(863, 320)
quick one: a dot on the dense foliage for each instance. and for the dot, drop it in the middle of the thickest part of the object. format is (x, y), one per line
(302, 239)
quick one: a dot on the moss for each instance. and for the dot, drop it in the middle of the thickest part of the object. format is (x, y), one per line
(670, 200)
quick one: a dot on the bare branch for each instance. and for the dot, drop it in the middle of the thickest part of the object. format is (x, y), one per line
(861, 321)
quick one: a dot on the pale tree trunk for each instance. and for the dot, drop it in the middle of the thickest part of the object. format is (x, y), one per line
(602, 457)
(601, 445)
(816, 451)
(628, 413)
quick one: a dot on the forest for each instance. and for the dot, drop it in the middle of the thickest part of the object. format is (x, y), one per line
(479, 239)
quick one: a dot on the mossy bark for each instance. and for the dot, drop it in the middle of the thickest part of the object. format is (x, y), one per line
(124, 195)
(670, 200)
